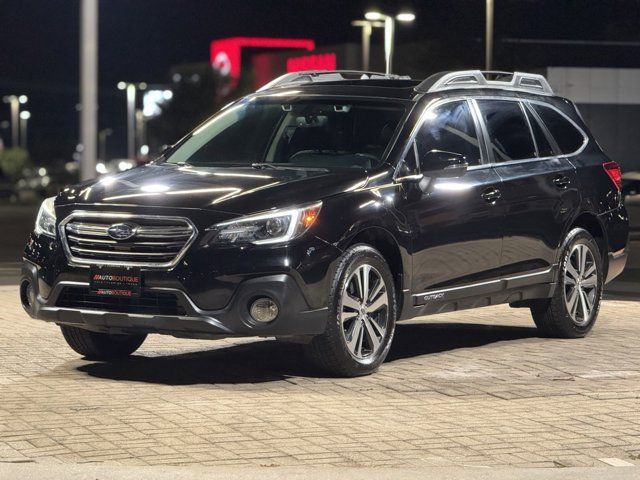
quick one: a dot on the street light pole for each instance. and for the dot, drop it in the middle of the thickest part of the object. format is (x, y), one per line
(389, 32)
(141, 130)
(102, 142)
(488, 40)
(89, 87)
(4, 125)
(131, 90)
(15, 127)
(131, 120)
(14, 102)
(367, 29)
(25, 115)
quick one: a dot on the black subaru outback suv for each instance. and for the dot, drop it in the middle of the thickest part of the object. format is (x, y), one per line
(328, 206)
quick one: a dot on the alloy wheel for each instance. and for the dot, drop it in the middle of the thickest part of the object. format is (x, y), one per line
(580, 284)
(364, 312)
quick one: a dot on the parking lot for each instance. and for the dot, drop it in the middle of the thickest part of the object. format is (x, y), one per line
(476, 388)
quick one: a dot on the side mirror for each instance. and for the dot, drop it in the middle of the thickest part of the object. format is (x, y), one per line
(439, 163)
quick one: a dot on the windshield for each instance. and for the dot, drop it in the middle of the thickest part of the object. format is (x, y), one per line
(303, 133)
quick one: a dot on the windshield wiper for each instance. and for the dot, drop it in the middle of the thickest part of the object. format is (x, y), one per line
(274, 166)
(262, 166)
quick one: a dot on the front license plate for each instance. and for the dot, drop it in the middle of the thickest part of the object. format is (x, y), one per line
(115, 282)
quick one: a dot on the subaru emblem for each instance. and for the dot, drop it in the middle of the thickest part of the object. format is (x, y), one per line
(122, 231)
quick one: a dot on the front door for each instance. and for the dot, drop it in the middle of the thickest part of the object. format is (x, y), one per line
(456, 220)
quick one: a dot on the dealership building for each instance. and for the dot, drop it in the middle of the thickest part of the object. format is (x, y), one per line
(609, 101)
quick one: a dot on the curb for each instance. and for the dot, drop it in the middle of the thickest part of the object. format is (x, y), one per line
(37, 471)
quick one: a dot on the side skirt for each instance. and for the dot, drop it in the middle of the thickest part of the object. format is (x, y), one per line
(514, 290)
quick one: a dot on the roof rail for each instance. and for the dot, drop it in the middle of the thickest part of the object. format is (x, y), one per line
(517, 81)
(312, 76)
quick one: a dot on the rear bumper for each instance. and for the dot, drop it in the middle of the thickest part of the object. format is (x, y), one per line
(616, 226)
(296, 318)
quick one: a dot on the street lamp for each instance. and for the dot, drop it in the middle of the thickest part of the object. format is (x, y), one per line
(14, 102)
(25, 115)
(389, 31)
(131, 89)
(367, 28)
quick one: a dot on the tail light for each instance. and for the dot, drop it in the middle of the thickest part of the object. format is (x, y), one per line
(614, 172)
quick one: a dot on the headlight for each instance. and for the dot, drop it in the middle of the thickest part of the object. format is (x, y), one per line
(46, 219)
(273, 227)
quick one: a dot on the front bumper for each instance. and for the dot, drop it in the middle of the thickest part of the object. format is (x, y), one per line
(295, 317)
(206, 294)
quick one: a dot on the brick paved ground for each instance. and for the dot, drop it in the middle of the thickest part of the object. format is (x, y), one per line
(473, 388)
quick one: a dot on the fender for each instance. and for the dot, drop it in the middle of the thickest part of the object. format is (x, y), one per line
(370, 209)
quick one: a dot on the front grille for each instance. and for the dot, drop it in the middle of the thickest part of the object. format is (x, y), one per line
(148, 303)
(155, 241)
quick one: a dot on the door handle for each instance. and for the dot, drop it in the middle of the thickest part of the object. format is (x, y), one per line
(561, 181)
(491, 194)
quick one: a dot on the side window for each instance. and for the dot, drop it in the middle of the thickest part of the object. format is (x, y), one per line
(450, 128)
(568, 138)
(542, 142)
(509, 133)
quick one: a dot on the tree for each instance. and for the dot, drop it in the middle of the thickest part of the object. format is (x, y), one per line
(13, 161)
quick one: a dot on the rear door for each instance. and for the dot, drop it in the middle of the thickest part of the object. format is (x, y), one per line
(456, 222)
(539, 186)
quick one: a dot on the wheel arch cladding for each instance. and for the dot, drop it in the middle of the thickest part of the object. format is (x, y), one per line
(590, 223)
(383, 241)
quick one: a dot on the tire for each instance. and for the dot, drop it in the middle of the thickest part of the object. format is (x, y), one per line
(101, 346)
(567, 313)
(347, 347)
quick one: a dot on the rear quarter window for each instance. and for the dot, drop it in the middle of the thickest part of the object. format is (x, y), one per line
(566, 135)
(544, 147)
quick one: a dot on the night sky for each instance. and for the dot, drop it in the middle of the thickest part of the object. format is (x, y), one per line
(141, 39)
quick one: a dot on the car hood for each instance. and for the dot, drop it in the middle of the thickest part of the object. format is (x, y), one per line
(232, 190)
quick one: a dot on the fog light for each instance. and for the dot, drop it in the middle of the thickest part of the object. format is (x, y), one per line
(264, 310)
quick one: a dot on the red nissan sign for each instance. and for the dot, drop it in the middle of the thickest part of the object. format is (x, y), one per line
(320, 61)
(226, 54)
